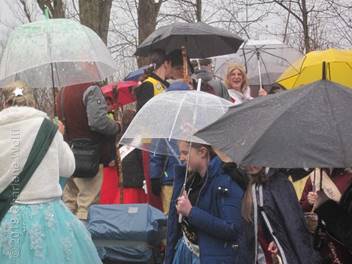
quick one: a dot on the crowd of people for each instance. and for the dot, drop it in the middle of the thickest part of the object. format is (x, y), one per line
(224, 213)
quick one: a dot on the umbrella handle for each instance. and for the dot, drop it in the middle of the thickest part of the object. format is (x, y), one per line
(324, 71)
(185, 64)
(180, 218)
(259, 70)
(199, 85)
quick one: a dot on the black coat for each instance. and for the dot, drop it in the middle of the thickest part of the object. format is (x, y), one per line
(338, 218)
(132, 169)
(287, 220)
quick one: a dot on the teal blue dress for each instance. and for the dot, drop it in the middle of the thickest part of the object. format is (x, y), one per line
(45, 233)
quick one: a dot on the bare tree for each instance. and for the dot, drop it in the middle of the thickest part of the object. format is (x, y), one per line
(56, 7)
(341, 12)
(20, 12)
(298, 10)
(239, 16)
(297, 21)
(96, 15)
(183, 10)
(147, 13)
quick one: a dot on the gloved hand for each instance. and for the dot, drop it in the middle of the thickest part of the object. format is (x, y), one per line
(156, 186)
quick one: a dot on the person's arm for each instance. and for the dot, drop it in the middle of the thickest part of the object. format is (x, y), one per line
(66, 159)
(144, 93)
(226, 226)
(96, 107)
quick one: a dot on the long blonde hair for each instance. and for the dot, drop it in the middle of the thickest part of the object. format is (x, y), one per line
(18, 93)
(230, 69)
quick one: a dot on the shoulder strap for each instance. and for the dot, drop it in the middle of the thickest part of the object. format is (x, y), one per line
(258, 206)
(40, 147)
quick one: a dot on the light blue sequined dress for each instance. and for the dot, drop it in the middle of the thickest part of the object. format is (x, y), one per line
(44, 233)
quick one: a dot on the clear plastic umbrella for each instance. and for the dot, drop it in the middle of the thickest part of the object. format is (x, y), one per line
(175, 115)
(55, 53)
(172, 116)
(264, 60)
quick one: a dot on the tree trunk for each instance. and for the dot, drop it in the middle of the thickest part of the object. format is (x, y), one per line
(148, 12)
(199, 10)
(305, 26)
(56, 7)
(95, 14)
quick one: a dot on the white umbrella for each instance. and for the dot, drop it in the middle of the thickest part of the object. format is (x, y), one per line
(174, 115)
(55, 53)
(264, 60)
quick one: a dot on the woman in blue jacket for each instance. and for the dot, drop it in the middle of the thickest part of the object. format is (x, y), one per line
(211, 210)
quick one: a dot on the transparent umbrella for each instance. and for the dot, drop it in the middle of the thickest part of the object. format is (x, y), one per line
(175, 115)
(264, 60)
(55, 53)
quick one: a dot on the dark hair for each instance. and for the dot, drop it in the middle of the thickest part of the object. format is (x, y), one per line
(236, 174)
(198, 146)
(158, 57)
(175, 57)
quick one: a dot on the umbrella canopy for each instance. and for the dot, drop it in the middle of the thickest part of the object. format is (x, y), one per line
(121, 93)
(200, 40)
(173, 115)
(338, 68)
(55, 52)
(304, 128)
(264, 60)
(135, 75)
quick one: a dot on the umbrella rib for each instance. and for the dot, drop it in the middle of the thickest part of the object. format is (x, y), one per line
(276, 56)
(252, 54)
(57, 75)
(178, 112)
(266, 69)
(298, 73)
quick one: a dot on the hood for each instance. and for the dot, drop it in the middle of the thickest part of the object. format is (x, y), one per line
(18, 129)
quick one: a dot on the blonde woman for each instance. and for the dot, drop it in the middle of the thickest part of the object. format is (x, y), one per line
(237, 83)
(35, 225)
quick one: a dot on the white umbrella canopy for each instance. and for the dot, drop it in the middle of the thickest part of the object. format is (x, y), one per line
(55, 52)
(263, 59)
(170, 116)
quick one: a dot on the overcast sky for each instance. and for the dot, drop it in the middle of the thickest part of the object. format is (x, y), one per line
(270, 27)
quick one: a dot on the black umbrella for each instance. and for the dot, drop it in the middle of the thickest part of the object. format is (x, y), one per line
(310, 127)
(199, 39)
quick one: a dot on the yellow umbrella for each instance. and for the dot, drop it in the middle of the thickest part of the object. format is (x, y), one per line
(308, 69)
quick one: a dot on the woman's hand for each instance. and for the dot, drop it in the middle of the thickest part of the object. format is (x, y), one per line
(262, 92)
(312, 198)
(183, 205)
